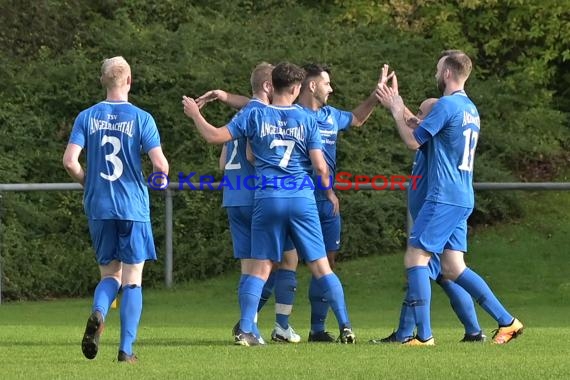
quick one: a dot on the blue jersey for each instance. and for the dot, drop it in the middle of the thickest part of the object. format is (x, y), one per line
(417, 195)
(330, 121)
(454, 126)
(238, 192)
(280, 137)
(114, 133)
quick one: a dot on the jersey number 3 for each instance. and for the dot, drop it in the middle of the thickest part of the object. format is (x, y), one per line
(471, 137)
(113, 158)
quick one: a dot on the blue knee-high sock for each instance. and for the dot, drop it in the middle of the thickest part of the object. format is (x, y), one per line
(285, 289)
(249, 295)
(319, 306)
(254, 328)
(407, 323)
(131, 309)
(462, 304)
(240, 285)
(105, 292)
(267, 290)
(334, 294)
(484, 296)
(418, 297)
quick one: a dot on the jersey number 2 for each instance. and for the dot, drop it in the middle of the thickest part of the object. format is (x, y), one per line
(113, 158)
(230, 165)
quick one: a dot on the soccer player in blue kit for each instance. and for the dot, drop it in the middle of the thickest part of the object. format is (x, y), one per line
(331, 121)
(116, 200)
(238, 201)
(452, 129)
(287, 147)
(313, 98)
(460, 300)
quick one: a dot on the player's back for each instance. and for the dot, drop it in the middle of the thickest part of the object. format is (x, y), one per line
(239, 172)
(281, 142)
(451, 150)
(114, 134)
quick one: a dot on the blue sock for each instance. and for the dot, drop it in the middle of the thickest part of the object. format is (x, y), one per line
(333, 292)
(418, 298)
(249, 295)
(105, 293)
(285, 289)
(480, 291)
(267, 290)
(240, 284)
(407, 323)
(462, 304)
(319, 306)
(130, 311)
(254, 328)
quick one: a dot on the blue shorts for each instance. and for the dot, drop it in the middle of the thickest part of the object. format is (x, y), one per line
(123, 240)
(288, 246)
(240, 229)
(276, 218)
(440, 226)
(415, 204)
(434, 265)
(330, 225)
(239, 218)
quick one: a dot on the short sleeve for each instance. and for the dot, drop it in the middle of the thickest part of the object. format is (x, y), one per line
(78, 133)
(343, 118)
(437, 118)
(149, 134)
(242, 124)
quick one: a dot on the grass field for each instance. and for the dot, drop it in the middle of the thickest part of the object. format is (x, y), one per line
(185, 332)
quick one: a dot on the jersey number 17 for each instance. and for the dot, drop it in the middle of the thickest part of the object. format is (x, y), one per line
(471, 137)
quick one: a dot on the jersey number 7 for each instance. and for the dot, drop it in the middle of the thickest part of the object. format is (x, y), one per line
(289, 144)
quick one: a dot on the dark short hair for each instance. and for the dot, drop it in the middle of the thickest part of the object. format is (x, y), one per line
(286, 74)
(313, 70)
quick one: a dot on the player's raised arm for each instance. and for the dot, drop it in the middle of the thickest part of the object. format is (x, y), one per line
(363, 111)
(390, 98)
(233, 100)
(210, 133)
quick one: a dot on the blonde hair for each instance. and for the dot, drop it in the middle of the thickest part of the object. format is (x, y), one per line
(114, 72)
(261, 74)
